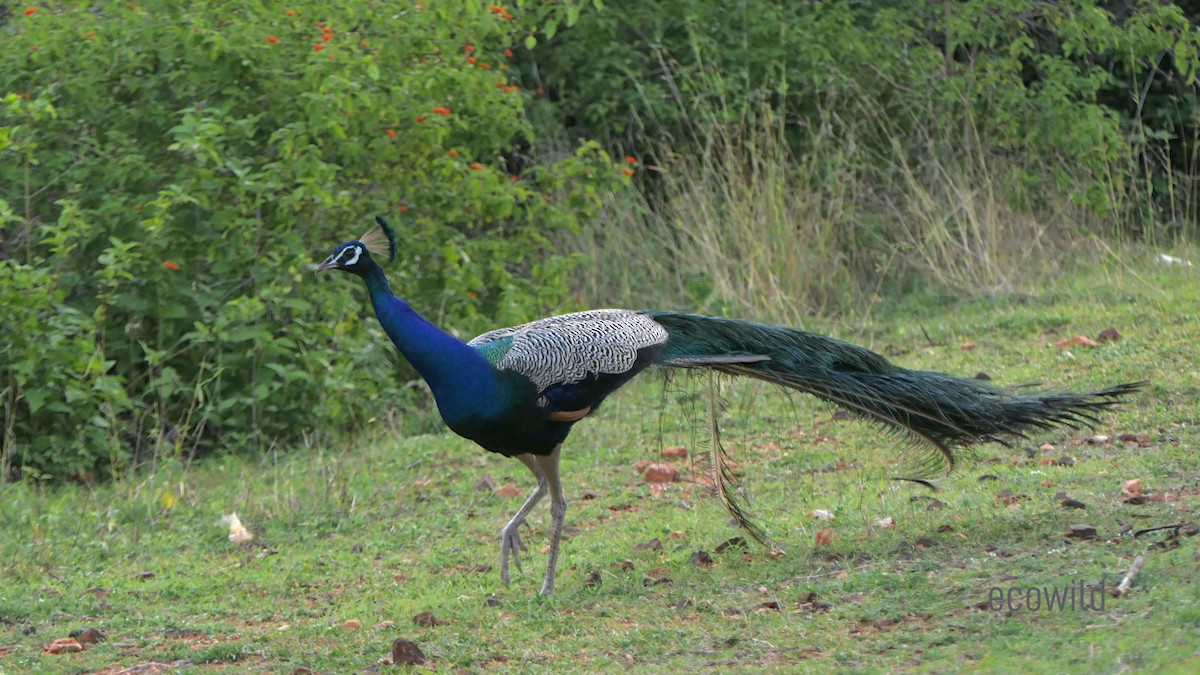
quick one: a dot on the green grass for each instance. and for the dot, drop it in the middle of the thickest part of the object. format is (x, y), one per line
(384, 529)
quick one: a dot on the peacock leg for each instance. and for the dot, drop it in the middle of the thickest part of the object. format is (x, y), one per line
(510, 535)
(558, 513)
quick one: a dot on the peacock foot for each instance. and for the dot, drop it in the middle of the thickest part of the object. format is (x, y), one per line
(511, 544)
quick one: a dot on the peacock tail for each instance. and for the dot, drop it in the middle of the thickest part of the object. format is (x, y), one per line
(945, 411)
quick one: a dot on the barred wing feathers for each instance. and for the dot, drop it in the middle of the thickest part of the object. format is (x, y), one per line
(570, 348)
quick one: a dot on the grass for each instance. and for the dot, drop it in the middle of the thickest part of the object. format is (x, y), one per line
(385, 528)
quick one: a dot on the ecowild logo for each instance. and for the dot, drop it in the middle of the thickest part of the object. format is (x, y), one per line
(1073, 597)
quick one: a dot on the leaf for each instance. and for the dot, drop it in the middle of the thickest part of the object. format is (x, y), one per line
(507, 490)
(238, 534)
(825, 537)
(1076, 341)
(1132, 488)
(373, 71)
(34, 398)
(654, 544)
(530, 41)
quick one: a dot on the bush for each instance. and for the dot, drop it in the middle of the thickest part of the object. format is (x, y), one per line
(172, 174)
(1064, 91)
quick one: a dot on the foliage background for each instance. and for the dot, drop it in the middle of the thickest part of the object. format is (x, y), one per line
(171, 172)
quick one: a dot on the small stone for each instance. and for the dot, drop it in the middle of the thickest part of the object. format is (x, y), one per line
(406, 653)
(427, 620)
(1081, 531)
(351, 624)
(660, 473)
(702, 558)
(675, 452)
(87, 636)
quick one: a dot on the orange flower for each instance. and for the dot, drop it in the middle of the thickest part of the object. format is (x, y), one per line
(25, 95)
(514, 178)
(503, 66)
(90, 33)
(404, 208)
(420, 118)
(468, 48)
(327, 37)
(475, 166)
(453, 153)
(272, 39)
(30, 11)
(485, 66)
(391, 133)
(318, 47)
(631, 159)
(441, 111)
(471, 60)
(508, 53)
(472, 295)
(291, 12)
(364, 44)
(171, 265)
(628, 171)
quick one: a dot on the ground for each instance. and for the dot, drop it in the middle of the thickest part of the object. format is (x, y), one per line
(353, 540)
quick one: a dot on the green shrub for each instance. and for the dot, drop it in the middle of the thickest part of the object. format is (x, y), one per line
(171, 171)
(1064, 91)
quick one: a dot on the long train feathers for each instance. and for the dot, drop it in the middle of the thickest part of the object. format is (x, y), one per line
(945, 411)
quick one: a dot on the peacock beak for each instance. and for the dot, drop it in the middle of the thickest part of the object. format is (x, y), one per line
(327, 265)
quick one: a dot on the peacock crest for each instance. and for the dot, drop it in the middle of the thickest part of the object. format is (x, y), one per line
(380, 240)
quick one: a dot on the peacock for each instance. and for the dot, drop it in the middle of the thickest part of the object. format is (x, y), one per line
(518, 391)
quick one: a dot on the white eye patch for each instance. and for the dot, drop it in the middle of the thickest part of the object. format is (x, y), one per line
(350, 256)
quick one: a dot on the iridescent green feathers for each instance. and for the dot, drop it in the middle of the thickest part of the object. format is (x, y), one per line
(380, 241)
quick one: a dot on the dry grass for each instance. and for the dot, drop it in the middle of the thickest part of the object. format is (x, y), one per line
(746, 225)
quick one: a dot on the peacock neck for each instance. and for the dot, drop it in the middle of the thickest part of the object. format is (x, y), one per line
(461, 379)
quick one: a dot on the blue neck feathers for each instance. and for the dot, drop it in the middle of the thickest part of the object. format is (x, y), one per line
(461, 379)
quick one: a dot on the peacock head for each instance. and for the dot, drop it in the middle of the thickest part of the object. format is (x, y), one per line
(355, 256)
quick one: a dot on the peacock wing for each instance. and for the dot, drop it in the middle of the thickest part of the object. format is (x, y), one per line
(570, 348)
